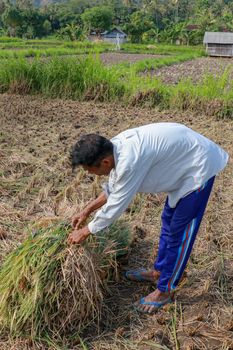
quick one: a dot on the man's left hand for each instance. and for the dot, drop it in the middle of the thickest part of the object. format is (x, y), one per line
(78, 236)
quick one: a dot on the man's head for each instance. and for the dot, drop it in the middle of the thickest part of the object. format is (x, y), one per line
(94, 153)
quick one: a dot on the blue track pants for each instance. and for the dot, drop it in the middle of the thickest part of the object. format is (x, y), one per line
(178, 232)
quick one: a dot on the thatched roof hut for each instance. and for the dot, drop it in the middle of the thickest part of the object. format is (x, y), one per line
(219, 44)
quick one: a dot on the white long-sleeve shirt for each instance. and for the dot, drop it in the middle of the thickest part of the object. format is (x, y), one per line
(161, 157)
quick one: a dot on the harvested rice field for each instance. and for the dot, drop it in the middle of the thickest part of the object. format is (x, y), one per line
(194, 69)
(36, 182)
(115, 57)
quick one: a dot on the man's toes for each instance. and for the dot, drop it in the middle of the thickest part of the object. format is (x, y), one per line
(151, 309)
(146, 309)
(140, 307)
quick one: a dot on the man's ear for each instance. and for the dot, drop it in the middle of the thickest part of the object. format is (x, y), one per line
(106, 161)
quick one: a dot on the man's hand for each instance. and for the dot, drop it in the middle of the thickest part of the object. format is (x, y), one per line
(79, 219)
(78, 236)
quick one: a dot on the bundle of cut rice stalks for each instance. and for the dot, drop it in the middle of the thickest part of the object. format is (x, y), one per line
(48, 287)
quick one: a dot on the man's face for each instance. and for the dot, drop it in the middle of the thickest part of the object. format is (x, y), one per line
(106, 165)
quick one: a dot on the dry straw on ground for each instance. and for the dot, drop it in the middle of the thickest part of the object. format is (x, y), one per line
(36, 149)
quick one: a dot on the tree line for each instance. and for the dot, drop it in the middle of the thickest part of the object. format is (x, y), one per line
(149, 21)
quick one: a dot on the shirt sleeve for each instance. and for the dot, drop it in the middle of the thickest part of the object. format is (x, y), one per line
(105, 187)
(130, 175)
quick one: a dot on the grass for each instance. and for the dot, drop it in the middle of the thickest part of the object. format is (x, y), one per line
(7, 39)
(86, 78)
(50, 47)
(45, 48)
(212, 95)
(48, 52)
(162, 49)
(164, 61)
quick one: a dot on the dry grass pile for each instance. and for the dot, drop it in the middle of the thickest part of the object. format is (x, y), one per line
(48, 287)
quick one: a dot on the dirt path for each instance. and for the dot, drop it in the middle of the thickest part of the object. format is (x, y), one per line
(36, 180)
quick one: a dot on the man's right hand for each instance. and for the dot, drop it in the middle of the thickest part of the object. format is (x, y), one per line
(79, 219)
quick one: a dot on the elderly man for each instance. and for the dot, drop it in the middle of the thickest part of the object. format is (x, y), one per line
(161, 157)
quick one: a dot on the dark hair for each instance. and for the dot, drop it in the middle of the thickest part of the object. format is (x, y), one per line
(90, 149)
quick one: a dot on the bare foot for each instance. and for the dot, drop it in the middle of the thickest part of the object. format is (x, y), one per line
(143, 275)
(156, 296)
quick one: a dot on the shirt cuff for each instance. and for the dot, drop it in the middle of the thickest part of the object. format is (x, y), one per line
(92, 228)
(105, 187)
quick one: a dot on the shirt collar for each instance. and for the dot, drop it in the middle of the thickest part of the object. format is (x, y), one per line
(117, 145)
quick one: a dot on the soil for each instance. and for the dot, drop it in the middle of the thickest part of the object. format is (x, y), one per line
(36, 181)
(194, 69)
(118, 57)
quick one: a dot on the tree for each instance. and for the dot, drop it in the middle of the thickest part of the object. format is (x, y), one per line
(71, 31)
(151, 36)
(47, 27)
(24, 4)
(98, 18)
(29, 33)
(140, 22)
(159, 10)
(2, 6)
(33, 22)
(143, 20)
(12, 19)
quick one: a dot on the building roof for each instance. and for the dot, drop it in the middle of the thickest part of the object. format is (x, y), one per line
(218, 38)
(113, 31)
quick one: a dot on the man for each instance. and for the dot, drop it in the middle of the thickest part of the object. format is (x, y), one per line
(162, 157)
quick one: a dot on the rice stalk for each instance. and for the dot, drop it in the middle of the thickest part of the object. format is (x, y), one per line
(174, 327)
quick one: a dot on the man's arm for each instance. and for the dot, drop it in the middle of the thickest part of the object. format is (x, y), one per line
(126, 186)
(81, 217)
(79, 235)
(96, 203)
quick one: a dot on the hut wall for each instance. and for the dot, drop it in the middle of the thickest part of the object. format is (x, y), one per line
(114, 40)
(225, 50)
